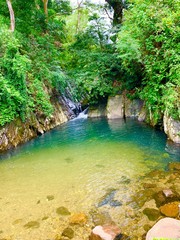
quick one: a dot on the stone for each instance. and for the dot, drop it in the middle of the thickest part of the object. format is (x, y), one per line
(97, 112)
(106, 232)
(167, 192)
(50, 197)
(174, 166)
(171, 128)
(68, 232)
(170, 209)
(107, 198)
(161, 198)
(132, 107)
(78, 218)
(32, 224)
(151, 213)
(165, 228)
(115, 107)
(63, 211)
(100, 218)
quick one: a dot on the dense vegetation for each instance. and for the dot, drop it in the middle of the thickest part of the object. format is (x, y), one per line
(95, 53)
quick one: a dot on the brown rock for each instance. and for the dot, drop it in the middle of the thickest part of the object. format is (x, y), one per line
(174, 166)
(170, 209)
(162, 197)
(78, 218)
(105, 232)
(167, 228)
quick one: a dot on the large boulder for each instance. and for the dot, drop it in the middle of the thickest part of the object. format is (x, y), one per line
(172, 128)
(115, 107)
(165, 228)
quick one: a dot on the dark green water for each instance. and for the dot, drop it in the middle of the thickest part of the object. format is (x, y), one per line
(76, 163)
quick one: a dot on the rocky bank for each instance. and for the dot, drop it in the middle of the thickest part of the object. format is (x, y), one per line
(120, 106)
(18, 132)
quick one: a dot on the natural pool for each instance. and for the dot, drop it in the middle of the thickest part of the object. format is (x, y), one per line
(74, 166)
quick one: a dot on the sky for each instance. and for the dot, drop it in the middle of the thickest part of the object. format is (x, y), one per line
(74, 2)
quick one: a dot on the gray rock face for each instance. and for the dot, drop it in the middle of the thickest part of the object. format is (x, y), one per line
(120, 106)
(97, 112)
(115, 107)
(165, 228)
(172, 128)
(18, 132)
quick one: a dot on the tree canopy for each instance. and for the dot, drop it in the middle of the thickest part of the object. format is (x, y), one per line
(97, 50)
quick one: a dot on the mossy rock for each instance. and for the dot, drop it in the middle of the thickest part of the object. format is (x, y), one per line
(32, 224)
(151, 213)
(68, 232)
(63, 211)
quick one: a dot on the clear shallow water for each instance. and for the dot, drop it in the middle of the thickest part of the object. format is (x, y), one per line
(75, 163)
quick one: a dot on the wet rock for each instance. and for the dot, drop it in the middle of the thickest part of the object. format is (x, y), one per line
(32, 224)
(170, 209)
(50, 197)
(45, 218)
(125, 180)
(174, 166)
(106, 232)
(115, 107)
(100, 218)
(68, 232)
(115, 203)
(147, 227)
(163, 197)
(171, 128)
(107, 198)
(63, 211)
(165, 228)
(151, 213)
(78, 218)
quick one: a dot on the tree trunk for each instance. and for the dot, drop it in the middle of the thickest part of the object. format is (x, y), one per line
(12, 18)
(117, 6)
(45, 2)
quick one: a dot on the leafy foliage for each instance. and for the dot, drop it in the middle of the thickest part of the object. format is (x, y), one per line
(150, 38)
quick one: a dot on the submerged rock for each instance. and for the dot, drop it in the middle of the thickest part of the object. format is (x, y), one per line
(50, 197)
(166, 196)
(165, 228)
(68, 232)
(170, 209)
(174, 166)
(78, 218)
(108, 198)
(63, 211)
(151, 213)
(32, 224)
(101, 218)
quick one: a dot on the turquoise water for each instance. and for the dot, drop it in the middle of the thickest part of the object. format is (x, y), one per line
(75, 163)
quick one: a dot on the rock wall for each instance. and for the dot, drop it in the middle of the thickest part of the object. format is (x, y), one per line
(18, 132)
(172, 128)
(120, 106)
